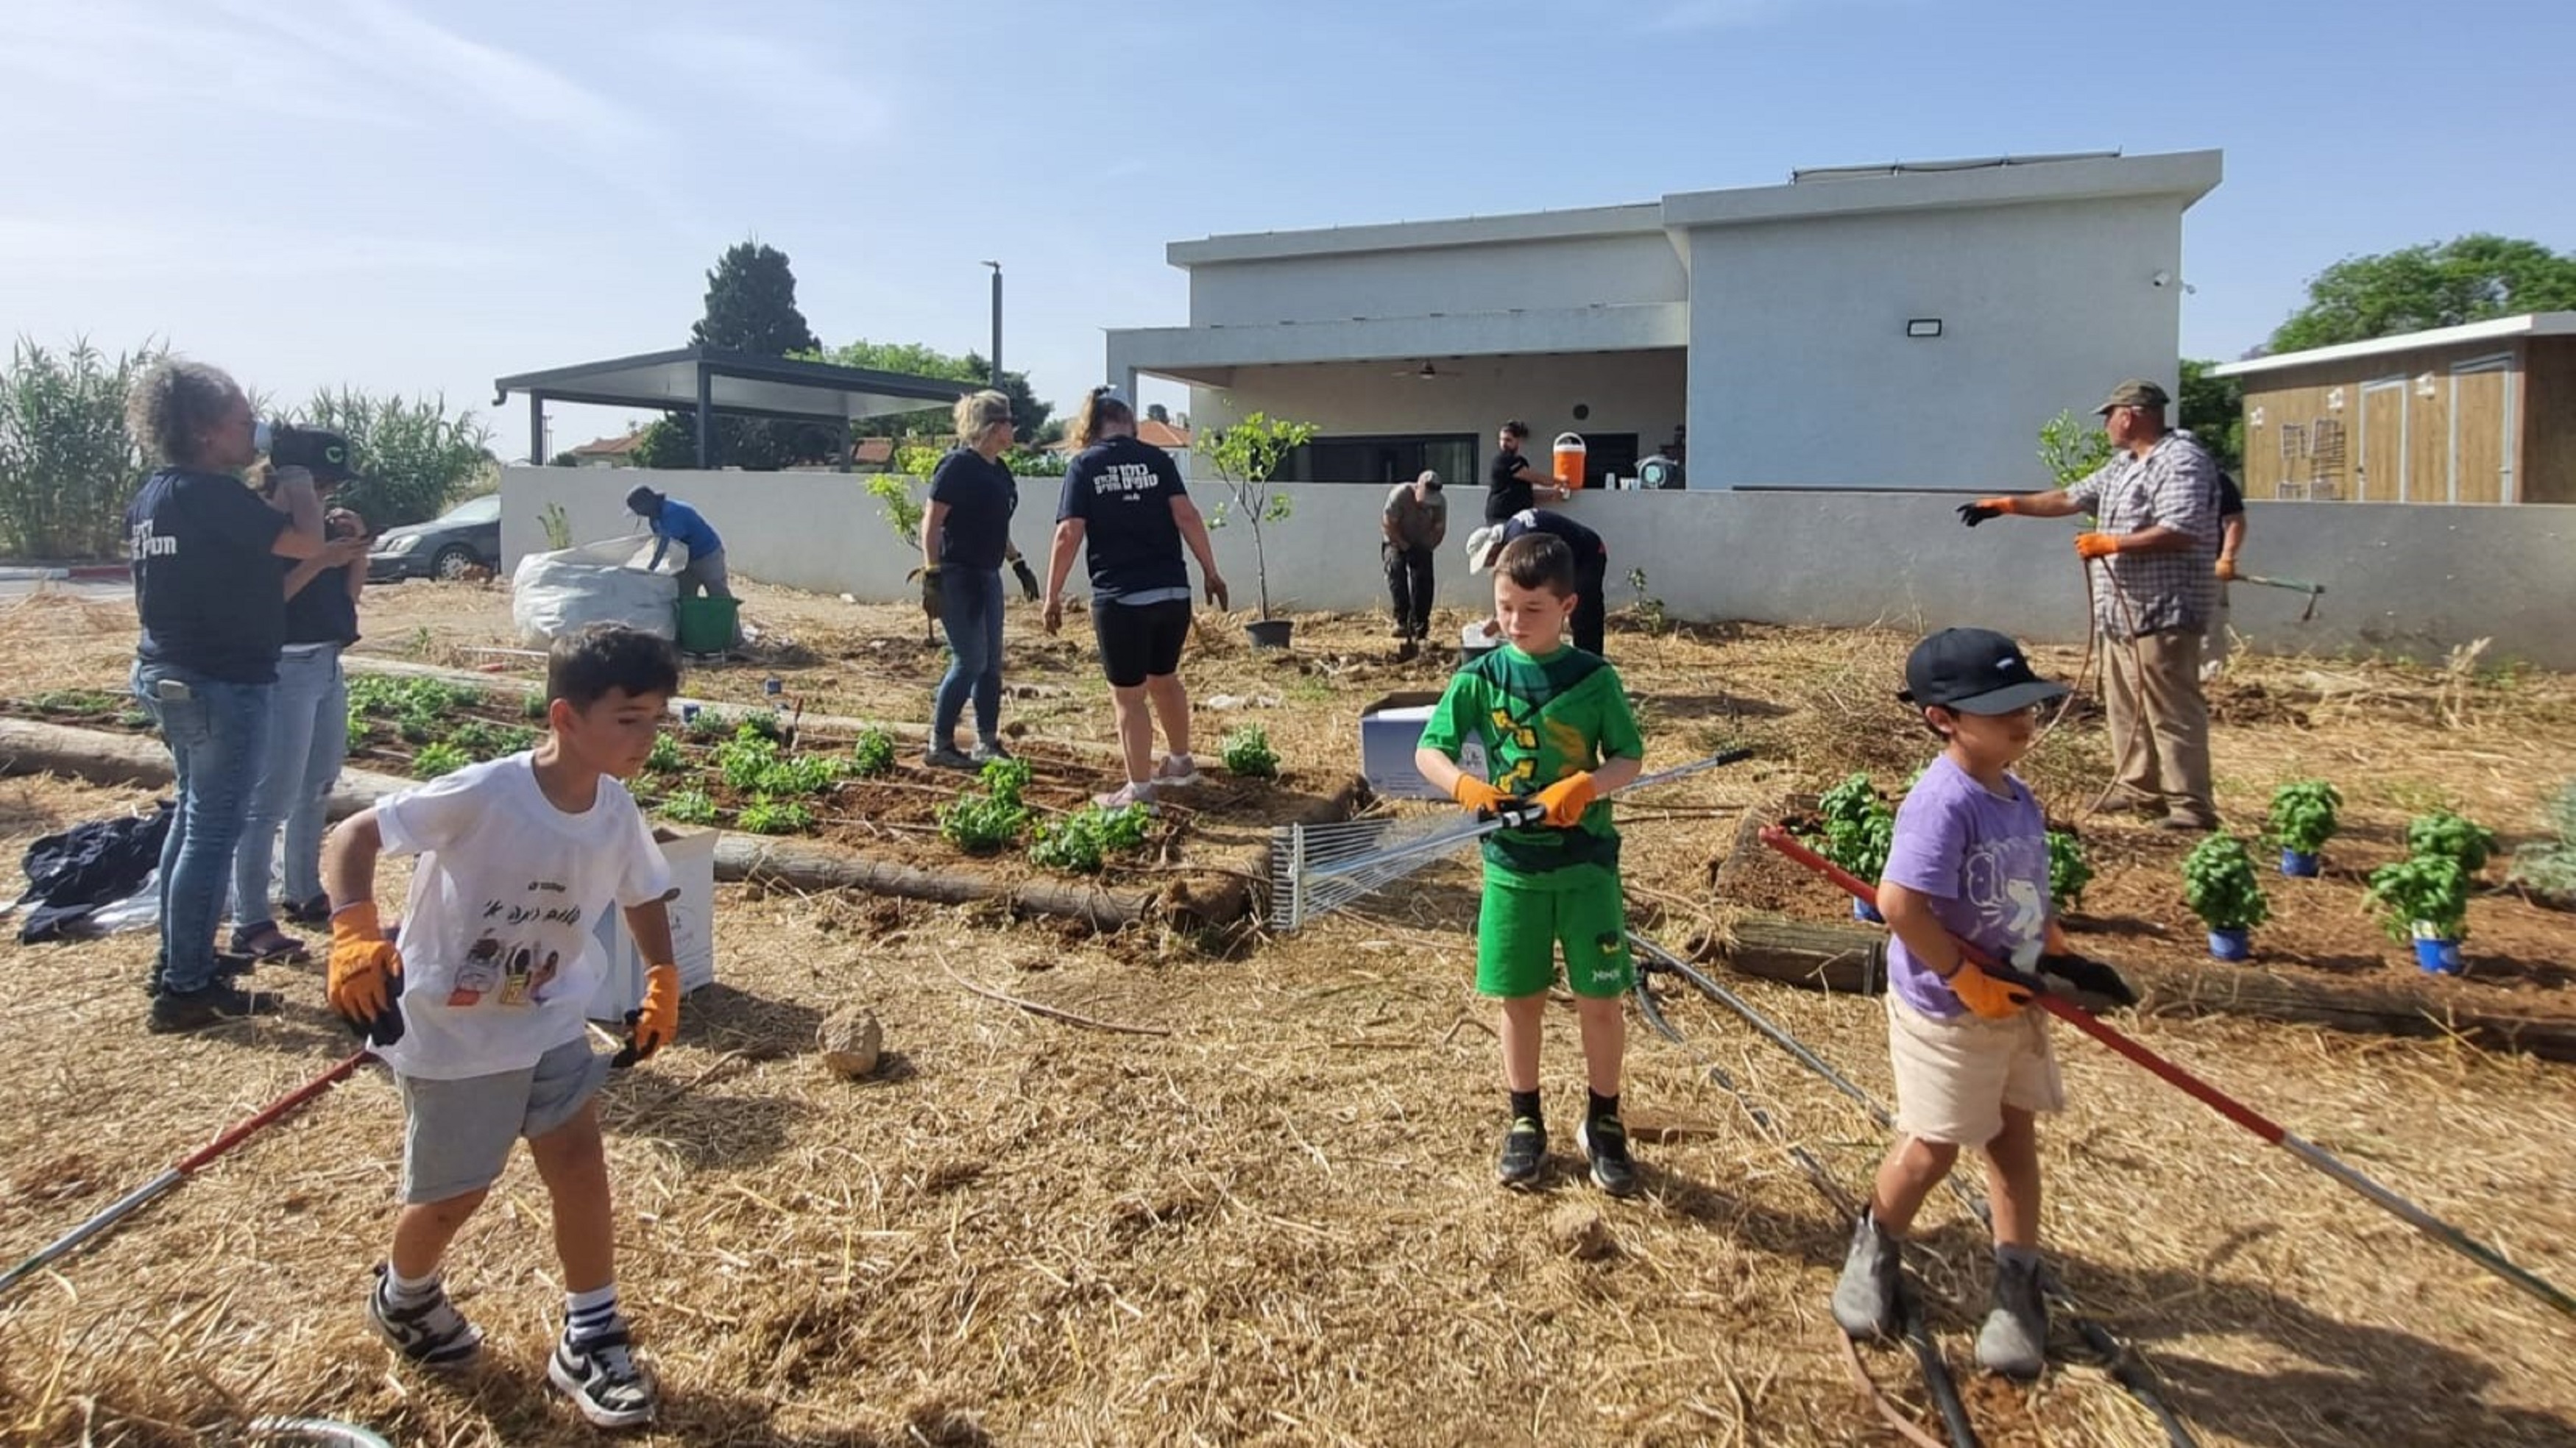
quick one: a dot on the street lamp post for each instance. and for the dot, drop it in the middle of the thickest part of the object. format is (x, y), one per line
(997, 322)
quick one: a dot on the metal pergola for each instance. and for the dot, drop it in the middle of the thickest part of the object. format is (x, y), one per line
(729, 384)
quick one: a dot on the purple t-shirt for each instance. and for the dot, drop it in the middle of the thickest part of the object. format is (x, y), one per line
(1982, 858)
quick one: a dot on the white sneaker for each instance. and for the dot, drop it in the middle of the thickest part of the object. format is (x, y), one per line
(1178, 771)
(1127, 794)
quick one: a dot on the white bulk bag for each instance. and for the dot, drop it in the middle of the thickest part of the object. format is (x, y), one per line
(554, 593)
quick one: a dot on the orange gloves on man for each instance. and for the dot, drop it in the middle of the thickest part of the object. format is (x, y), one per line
(2089, 546)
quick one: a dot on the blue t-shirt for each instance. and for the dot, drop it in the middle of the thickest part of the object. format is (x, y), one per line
(682, 524)
(981, 496)
(1982, 858)
(322, 612)
(1122, 490)
(205, 575)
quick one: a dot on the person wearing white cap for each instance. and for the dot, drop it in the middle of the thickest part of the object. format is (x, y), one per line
(1591, 564)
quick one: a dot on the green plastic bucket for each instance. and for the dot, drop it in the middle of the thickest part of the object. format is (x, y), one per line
(706, 624)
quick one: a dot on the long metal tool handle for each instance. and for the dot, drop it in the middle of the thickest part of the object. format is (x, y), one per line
(136, 1199)
(2313, 590)
(2225, 1105)
(1518, 816)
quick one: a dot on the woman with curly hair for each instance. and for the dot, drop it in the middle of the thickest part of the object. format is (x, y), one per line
(206, 585)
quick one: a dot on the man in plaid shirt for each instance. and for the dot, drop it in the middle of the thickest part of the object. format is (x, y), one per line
(2153, 566)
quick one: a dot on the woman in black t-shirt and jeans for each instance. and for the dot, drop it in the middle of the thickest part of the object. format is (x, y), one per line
(964, 539)
(1125, 506)
(205, 551)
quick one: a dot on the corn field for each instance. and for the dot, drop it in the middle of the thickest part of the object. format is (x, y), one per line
(67, 463)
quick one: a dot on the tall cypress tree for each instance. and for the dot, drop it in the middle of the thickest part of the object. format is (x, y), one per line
(751, 307)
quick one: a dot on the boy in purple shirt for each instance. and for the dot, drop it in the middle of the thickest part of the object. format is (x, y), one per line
(1973, 1063)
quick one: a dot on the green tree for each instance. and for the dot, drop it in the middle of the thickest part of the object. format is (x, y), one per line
(2213, 408)
(751, 305)
(1029, 416)
(410, 457)
(67, 463)
(2466, 279)
(1157, 412)
(1245, 455)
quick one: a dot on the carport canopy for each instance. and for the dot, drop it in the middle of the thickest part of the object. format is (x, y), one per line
(728, 384)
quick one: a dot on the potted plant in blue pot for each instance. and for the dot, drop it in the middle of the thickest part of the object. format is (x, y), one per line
(2425, 899)
(2305, 814)
(2451, 837)
(2219, 885)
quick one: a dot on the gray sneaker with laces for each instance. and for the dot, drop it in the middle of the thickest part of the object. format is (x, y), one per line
(432, 1334)
(2014, 1341)
(1865, 1298)
(945, 756)
(603, 1379)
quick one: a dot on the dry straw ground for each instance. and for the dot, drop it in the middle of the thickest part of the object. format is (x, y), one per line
(1276, 1224)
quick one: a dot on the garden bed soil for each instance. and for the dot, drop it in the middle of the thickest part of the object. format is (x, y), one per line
(2321, 958)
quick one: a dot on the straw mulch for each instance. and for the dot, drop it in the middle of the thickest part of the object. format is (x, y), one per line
(1277, 1224)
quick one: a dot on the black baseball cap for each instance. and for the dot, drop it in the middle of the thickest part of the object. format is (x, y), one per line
(1974, 671)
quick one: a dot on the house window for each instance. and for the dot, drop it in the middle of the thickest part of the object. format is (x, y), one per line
(1384, 460)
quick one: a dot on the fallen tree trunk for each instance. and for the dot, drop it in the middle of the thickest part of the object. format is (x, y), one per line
(816, 867)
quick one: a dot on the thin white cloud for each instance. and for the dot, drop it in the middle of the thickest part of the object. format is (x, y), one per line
(120, 250)
(759, 79)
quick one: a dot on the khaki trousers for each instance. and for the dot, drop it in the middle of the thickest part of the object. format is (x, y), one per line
(2159, 723)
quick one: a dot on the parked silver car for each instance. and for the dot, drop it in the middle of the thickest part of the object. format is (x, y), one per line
(444, 547)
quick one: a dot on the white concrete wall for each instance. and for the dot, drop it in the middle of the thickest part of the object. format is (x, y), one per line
(2411, 579)
(1639, 392)
(1802, 375)
(1516, 276)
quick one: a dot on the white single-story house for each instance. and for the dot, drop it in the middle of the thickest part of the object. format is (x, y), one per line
(1902, 326)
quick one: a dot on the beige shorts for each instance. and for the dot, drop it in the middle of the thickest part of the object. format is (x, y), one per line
(1954, 1077)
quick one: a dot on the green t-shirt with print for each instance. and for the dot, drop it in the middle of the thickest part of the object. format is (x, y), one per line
(1540, 720)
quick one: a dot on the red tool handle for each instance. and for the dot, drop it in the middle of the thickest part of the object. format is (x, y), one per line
(272, 1111)
(2056, 1005)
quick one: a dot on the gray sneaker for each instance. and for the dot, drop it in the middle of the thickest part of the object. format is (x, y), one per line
(987, 751)
(1865, 1298)
(433, 1333)
(945, 756)
(2014, 1341)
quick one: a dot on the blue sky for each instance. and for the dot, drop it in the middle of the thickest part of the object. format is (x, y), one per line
(413, 196)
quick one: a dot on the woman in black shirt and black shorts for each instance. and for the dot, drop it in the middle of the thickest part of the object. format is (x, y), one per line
(1124, 504)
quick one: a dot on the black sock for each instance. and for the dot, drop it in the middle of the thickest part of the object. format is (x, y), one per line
(1600, 1107)
(1525, 1103)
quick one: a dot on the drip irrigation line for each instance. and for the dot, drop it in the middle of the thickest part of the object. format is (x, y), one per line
(2127, 1366)
(143, 1195)
(2174, 1075)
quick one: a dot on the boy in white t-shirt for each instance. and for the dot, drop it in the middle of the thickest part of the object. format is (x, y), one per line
(480, 1014)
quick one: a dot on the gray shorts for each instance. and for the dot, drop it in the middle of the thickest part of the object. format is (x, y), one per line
(457, 1134)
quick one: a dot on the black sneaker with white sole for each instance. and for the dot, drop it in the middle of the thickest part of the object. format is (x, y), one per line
(603, 1379)
(212, 1004)
(431, 1334)
(1524, 1153)
(1605, 1144)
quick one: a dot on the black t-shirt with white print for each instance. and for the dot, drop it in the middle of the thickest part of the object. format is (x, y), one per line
(1122, 490)
(205, 575)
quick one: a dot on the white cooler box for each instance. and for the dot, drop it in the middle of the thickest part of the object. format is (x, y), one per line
(692, 857)
(1390, 730)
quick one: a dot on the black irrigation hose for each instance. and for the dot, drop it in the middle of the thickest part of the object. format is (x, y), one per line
(1937, 1379)
(2125, 1364)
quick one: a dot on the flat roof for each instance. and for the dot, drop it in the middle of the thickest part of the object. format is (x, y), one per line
(739, 384)
(2501, 329)
(1992, 181)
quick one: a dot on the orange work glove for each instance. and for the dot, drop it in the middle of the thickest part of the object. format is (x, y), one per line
(1567, 799)
(1979, 511)
(2226, 569)
(1984, 995)
(1479, 798)
(654, 1026)
(2089, 546)
(363, 963)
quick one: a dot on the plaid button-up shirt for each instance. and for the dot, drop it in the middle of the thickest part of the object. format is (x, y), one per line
(2174, 486)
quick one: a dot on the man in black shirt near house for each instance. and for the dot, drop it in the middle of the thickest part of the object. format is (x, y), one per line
(1512, 485)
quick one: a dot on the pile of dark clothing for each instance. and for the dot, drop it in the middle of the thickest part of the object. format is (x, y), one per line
(83, 870)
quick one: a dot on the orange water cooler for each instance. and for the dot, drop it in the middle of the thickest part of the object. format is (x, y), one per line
(1570, 455)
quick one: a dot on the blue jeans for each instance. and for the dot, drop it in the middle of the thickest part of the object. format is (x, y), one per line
(218, 738)
(308, 737)
(970, 610)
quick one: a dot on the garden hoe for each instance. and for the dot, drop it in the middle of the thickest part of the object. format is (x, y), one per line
(2314, 591)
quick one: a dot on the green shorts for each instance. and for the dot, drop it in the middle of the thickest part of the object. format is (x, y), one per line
(1519, 929)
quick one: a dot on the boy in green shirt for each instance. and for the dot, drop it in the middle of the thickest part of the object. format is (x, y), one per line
(1556, 729)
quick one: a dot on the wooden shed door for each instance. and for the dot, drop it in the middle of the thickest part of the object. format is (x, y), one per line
(2381, 470)
(2482, 430)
